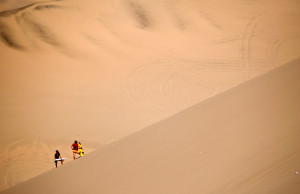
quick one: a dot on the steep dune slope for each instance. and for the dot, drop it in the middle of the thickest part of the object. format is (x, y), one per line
(98, 70)
(245, 140)
(84, 60)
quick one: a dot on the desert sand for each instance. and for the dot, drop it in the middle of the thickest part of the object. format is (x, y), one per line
(235, 142)
(99, 71)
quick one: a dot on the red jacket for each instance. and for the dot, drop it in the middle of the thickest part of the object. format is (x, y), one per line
(75, 146)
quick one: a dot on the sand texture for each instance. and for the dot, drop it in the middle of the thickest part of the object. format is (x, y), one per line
(235, 142)
(101, 70)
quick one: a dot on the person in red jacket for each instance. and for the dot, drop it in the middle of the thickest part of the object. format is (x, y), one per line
(74, 147)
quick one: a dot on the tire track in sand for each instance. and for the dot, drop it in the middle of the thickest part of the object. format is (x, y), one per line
(167, 87)
(245, 44)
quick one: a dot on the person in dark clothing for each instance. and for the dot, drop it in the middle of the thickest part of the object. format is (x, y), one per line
(57, 157)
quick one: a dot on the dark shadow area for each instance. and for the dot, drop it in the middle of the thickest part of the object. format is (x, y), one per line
(8, 39)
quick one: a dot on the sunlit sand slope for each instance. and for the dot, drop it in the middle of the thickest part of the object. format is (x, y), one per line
(99, 70)
(245, 140)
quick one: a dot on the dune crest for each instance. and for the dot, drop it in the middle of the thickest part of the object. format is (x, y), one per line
(235, 142)
(106, 69)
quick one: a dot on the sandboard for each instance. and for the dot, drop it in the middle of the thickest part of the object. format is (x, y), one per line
(60, 159)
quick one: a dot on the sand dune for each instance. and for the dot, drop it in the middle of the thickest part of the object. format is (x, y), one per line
(245, 140)
(101, 70)
(28, 157)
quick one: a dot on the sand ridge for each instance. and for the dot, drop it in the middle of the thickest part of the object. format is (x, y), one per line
(224, 144)
(106, 69)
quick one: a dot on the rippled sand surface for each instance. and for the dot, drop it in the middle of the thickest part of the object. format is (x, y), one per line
(97, 71)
